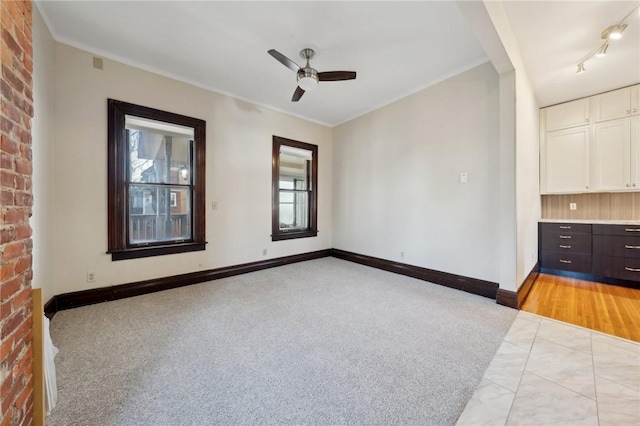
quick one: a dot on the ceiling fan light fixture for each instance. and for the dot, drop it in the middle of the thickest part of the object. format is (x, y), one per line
(581, 68)
(307, 79)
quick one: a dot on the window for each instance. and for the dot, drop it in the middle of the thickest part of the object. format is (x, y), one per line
(156, 177)
(294, 189)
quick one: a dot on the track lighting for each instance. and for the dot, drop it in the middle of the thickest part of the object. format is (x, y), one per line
(613, 32)
(602, 51)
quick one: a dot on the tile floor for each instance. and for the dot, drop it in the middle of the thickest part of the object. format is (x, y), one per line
(547, 372)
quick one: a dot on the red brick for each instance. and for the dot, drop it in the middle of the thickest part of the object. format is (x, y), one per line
(15, 215)
(6, 144)
(6, 90)
(24, 333)
(7, 179)
(7, 384)
(23, 199)
(6, 161)
(10, 287)
(11, 43)
(22, 232)
(23, 167)
(6, 235)
(22, 265)
(19, 181)
(6, 198)
(7, 270)
(12, 323)
(13, 250)
(10, 396)
(12, 79)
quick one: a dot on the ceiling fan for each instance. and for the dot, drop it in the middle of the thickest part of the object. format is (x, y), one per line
(308, 77)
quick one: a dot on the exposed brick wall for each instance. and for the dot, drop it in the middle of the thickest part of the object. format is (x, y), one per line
(16, 306)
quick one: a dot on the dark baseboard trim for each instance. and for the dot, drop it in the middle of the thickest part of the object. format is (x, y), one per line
(527, 285)
(51, 307)
(104, 294)
(514, 299)
(507, 298)
(591, 277)
(459, 282)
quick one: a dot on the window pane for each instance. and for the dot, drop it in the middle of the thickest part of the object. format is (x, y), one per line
(294, 210)
(158, 155)
(294, 171)
(159, 214)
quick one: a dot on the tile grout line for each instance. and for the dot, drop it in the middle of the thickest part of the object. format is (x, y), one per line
(595, 383)
(515, 395)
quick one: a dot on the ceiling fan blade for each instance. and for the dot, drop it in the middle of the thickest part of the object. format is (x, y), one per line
(297, 94)
(336, 75)
(284, 60)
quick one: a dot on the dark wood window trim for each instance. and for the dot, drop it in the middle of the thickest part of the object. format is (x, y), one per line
(278, 234)
(117, 203)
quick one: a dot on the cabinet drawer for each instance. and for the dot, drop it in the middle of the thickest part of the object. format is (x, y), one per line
(628, 230)
(616, 245)
(566, 242)
(579, 228)
(576, 262)
(617, 267)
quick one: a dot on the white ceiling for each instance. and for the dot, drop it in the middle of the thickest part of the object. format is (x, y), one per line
(397, 48)
(554, 36)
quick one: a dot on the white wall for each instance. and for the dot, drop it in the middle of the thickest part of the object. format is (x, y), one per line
(238, 173)
(396, 170)
(528, 209)
(43, 145)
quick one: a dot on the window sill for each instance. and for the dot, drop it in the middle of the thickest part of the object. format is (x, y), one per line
(149, 251)
(290, 235)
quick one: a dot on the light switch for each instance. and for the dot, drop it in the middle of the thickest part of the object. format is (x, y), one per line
(573, 206)
(464, 178)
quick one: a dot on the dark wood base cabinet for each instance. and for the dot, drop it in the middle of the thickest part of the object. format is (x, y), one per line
(611, 252)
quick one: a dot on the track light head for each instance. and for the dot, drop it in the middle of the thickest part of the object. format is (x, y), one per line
(614, 32)
(603, 50)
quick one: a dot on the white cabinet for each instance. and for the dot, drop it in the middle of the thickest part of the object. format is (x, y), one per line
(611, 155)
(565, 161)
(635, 99)
(569, 114)
(635, 152)
(616, 104)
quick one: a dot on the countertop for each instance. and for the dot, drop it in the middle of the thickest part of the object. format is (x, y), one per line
(593, 221)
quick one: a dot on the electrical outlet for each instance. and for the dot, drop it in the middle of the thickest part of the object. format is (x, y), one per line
(214, 205)
(264, 252)
(91, 277)
(464, 178)
(573, 206)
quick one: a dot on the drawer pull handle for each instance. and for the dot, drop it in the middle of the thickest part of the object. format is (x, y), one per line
(564, 227)
(568, 261)
(565, 237)
(632, 229)
(632, 269)
(632, 247)
(568, 247)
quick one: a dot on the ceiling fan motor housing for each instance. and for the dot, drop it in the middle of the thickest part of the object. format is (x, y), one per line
(307, 78)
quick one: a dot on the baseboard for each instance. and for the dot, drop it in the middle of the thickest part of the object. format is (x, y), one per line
(527, 285)
(458, 282)
(104, 294)
(514, 299)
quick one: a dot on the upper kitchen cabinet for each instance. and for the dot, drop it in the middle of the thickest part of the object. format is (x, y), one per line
(619, 103)
(566, 115)
(564, 161)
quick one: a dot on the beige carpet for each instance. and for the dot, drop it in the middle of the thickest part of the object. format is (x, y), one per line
(319, 342)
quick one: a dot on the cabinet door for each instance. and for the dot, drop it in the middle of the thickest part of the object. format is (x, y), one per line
(611, 149)
(568, 114)
(565, 161)
(612, 105)
(635, 99)
(635, 152)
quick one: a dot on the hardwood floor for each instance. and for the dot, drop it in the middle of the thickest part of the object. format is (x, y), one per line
(603, 307)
